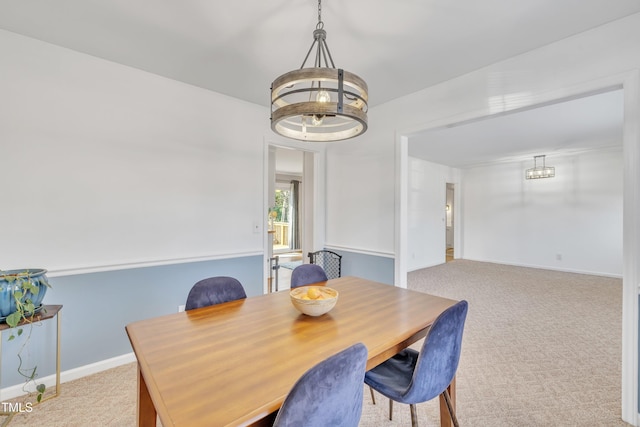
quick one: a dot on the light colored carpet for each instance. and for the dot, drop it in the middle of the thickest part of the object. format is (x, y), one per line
(541, 348)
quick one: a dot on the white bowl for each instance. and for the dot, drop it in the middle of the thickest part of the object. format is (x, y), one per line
(314, 300)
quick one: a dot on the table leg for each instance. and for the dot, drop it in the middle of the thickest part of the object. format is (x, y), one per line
(146, 411)
(445, 418)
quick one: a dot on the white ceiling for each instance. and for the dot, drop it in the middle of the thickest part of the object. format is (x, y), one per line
(239, 47)
(589, 123)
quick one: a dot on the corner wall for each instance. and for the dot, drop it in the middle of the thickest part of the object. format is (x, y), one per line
(572, 222)
(128, 187)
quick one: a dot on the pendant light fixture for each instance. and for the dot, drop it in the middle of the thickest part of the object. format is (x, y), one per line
(319, 103)
(537, 172)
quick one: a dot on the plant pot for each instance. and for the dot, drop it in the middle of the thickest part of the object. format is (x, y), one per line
(11, 281)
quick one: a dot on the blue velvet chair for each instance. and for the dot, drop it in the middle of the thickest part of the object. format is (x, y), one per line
(412, 377)
(214, 290)
(329, 394)
(306, 274)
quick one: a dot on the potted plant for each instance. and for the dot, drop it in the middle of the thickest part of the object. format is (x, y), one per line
(21, 294)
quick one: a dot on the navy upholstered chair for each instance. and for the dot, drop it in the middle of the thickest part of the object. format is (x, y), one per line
(412, 377)
(306, 274)
(214, 290)
(329, 394)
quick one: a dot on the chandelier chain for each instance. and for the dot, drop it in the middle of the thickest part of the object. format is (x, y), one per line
(320, 24)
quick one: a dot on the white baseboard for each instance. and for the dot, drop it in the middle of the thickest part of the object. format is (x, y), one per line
(548, 267)
(70, 375)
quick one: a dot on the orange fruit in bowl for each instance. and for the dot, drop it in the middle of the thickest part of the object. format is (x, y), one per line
(313, 293)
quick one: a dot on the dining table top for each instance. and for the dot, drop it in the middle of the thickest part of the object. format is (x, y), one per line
(234, 363)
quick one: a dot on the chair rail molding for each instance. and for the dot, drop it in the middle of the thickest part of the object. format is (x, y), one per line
(360, 251)
(70, 271)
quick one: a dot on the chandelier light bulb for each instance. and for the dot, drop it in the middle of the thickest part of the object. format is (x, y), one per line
(323, 96)
(317, 119)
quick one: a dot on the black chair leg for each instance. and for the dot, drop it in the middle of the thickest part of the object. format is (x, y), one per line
(390, 409)
(447, 400)
(373, 398)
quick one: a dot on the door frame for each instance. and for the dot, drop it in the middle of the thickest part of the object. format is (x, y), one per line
(630, 85)
(313, 194)
(450, 210)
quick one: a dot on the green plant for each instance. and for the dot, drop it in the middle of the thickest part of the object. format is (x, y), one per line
(22, 289)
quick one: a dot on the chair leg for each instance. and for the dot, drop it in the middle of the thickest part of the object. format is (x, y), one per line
(447, 400)
(414, 415)
(390, 409)
(373, 398)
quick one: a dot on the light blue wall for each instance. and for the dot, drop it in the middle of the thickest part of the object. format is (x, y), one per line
(378, 268)
(98, 306)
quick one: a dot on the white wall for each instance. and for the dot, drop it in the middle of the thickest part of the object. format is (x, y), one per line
(576, 215)
(360, 194)
(426, 212)
(507, 219)
(361, 173)
(107, 165)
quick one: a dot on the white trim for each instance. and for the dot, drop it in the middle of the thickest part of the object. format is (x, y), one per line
(57, 272)
(631, 246)
(401, 207)
(360, 251)
(267, 239)
(72, 374)
(630, 83)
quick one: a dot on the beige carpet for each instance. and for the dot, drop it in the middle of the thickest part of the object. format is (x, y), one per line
(541, 348)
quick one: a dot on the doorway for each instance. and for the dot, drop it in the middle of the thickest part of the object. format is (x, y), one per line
(629, 83)
(449, 223)
(290, 200)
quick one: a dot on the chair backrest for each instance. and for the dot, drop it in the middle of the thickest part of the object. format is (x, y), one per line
(306, 274)
(329, 394)
(438, 360)
(330, 261)
(214, 290)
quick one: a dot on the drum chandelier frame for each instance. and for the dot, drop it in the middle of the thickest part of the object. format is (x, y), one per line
(319, 103)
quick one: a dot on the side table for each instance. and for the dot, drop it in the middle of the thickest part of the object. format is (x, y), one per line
(47, 312)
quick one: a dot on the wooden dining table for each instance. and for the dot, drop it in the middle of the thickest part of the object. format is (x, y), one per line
(233, 364)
